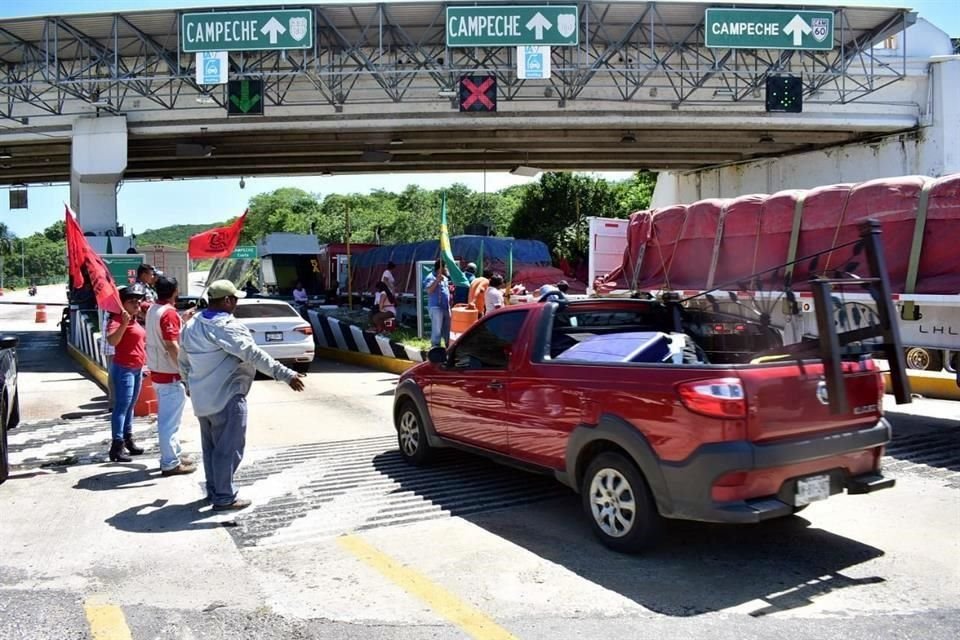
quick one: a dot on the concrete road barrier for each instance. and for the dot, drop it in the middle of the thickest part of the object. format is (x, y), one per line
(930, 384)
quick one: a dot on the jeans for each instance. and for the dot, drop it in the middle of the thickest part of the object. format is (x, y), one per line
(171, 398)
(439, 326)
(126, 389)
(110, 393)
(223, 437)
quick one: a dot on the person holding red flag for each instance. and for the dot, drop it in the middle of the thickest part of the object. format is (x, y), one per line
(128, 338)
(218, 242)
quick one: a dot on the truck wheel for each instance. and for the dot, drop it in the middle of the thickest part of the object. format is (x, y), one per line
(924, 359)
(619, 505)
(411, 436)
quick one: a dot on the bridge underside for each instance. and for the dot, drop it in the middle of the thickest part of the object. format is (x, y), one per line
(369, 151)
(640, 91)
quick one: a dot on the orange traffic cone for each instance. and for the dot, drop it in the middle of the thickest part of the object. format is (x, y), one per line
(147, 402)
(41, 316)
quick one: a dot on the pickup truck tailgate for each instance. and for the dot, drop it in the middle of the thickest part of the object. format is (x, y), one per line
(790, 400)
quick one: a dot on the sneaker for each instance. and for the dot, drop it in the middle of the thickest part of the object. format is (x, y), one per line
(236, 505)
(180, 470)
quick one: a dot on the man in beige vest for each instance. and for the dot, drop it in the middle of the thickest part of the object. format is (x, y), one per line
(163, 350)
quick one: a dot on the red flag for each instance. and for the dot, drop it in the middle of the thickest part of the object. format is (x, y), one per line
(218, 242)
(83, 258)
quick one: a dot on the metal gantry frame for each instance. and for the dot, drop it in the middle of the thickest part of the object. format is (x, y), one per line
(379, 53)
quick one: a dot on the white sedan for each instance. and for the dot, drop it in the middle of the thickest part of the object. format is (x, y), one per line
(279, 330)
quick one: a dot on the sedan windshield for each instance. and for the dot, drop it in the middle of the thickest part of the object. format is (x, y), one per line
(244, 311)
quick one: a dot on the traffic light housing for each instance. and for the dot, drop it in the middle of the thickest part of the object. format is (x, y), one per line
(785, 93)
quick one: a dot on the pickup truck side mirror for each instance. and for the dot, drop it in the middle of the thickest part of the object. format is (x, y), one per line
(9, 342)
(437, 355)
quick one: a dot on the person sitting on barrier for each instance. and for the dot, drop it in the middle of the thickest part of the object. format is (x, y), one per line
(385, 308)
(128, 339)
(494, 295)
(563, 286)
(300, 296)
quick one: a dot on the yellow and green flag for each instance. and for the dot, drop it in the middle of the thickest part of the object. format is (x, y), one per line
(446, 252)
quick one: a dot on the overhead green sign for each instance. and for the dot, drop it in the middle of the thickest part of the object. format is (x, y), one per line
(244, 252)
(768, 29)
(246, 30)
(507, 26)
(123, 267)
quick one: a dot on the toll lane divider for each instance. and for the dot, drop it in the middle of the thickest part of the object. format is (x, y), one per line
(930, 384)
(84, 345)
(345, 342)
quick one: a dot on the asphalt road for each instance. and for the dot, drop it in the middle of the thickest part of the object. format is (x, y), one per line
(345, 541)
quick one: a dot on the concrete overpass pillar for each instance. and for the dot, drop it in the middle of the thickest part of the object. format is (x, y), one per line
(98, 158)
(942, 138)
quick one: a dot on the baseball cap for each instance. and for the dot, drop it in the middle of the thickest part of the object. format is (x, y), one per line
(222, 288)
(135, 290)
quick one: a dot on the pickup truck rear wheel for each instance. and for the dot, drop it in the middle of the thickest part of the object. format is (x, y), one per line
(618, 502)
(411, 436)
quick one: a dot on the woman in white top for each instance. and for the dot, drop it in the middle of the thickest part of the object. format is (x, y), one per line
(387, 277)
(494, 295)
(385, 307)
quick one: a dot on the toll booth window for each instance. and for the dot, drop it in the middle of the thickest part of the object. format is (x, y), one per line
(264, 311)
(489, 344)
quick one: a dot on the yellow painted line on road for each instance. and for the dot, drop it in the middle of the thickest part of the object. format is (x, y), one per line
(469, 619)
(107, 621)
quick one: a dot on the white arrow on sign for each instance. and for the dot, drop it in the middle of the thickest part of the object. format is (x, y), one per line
(538, 23)
(273, 28)
(799, 28)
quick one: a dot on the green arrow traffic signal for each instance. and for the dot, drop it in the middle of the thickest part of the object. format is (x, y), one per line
(246, 97)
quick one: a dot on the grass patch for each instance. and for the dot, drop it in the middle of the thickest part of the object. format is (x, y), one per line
(409, 338)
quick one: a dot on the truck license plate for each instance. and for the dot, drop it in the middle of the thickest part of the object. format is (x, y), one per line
(274, 336)
(812, 489)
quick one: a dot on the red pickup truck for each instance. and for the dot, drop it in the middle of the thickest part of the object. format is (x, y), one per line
(641, 420)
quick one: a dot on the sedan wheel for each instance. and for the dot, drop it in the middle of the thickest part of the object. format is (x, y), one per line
(619, 504)
(411, 437)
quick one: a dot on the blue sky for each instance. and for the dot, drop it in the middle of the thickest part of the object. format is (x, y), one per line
(143, 205)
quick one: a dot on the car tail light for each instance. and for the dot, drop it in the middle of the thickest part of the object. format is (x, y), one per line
(306, 330)
(717, 398)
(729, 486)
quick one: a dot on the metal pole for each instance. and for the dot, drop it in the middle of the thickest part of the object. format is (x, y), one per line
(349, 273)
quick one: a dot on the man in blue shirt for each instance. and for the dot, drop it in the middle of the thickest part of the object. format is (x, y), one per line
(438, 301)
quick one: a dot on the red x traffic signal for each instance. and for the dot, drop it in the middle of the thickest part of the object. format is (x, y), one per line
(478, 93)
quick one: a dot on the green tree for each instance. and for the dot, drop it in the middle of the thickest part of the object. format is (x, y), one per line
(635, 194)
(554, 211)
(286, 209)
(56, 232)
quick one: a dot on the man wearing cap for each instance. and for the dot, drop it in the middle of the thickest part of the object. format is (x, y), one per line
(218, 360)
(163, 350)
(147, 276)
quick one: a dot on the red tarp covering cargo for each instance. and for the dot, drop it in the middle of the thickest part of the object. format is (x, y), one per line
(712, 243)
